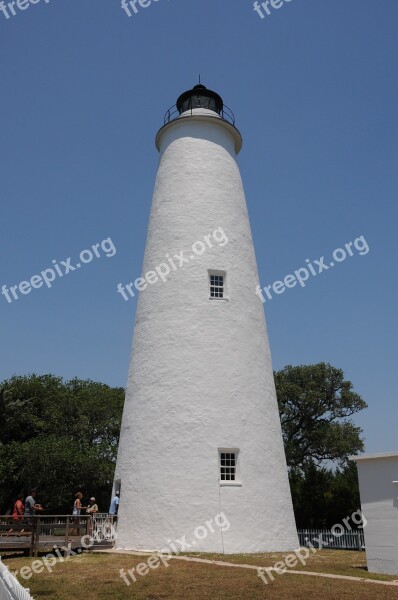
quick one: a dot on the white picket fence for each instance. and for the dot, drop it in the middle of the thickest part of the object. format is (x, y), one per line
(338, 540)
(104, 528)
(10, 588)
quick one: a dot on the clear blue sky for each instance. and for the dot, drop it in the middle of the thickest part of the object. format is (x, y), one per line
(314, 90)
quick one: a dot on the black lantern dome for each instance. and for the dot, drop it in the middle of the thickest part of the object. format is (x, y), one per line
(200, 97)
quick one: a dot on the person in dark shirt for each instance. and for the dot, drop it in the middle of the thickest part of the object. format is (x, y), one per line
(31, 507)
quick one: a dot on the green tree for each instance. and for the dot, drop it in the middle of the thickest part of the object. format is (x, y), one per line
(315, 406)
(59, 437)
(323, 497)
(344, 498)
(311, 493)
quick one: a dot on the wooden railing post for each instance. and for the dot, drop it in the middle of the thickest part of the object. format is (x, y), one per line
(32, 537)
(37, 536)
(66, 535)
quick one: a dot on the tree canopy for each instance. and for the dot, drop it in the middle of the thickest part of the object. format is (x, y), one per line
(322, 497)
(59, 437)
(315, 406)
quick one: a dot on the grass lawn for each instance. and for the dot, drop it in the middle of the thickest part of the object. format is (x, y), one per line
(336, 562)
(94, 576)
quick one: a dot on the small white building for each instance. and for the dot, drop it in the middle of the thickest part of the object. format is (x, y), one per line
(378, 484)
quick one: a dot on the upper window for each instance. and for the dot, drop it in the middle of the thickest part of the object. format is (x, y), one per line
(216, 286)
(227, 466)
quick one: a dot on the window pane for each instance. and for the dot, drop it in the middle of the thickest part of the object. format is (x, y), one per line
(227, 466)
(216, 286)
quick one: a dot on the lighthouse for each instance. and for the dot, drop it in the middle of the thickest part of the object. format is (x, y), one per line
(201, 435)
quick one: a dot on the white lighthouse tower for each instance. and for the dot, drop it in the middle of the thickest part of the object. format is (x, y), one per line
(201, 433)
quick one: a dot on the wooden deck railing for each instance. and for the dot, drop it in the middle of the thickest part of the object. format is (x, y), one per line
(42, 533)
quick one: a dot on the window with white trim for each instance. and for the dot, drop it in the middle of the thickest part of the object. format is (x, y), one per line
(217, 285)
(228, 466)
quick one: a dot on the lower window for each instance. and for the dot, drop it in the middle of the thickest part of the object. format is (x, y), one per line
(229, 466)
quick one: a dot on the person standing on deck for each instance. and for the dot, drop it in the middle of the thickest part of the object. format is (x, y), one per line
(77, 508)
(31, 507)
(92, 508)
(19, 509)
(114, 507)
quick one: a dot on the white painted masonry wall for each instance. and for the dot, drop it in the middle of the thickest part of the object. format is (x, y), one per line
(201, 376)
(379, 499)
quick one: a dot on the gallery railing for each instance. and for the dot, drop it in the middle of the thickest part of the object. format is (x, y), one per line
(173, 113)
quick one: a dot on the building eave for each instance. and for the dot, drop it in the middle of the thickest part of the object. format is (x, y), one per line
(373, 456)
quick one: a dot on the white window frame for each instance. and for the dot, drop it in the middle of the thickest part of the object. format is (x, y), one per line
(237, 481)
(219, 274)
